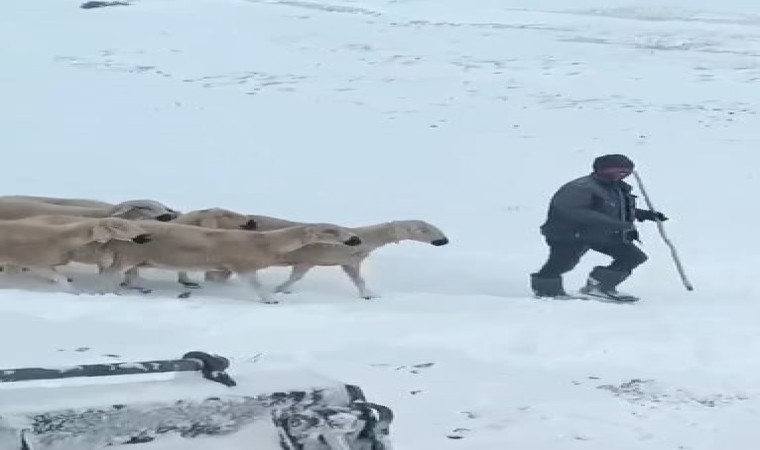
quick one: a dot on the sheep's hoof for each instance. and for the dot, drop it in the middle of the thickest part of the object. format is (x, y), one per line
(190, 284)
(185, 294)
(270, 302)
(139, 289)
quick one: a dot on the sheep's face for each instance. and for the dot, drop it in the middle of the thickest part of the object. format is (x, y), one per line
(226, 220)
(144, 209)
(115, 229)
(331, 234)
(419, 230)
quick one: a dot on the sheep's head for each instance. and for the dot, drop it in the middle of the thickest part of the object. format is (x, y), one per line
(112, 228)
(325, 233)
(225, 219)
(143, 209)
(419, 230)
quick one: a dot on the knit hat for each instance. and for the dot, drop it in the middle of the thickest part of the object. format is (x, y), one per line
(612, 161)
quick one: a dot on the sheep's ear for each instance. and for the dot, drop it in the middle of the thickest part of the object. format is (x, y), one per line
(101, 234)
(209, 222)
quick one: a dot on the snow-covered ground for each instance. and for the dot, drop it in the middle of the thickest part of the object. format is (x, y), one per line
(468, 114)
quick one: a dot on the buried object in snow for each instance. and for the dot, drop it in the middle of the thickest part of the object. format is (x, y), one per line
(262, 410)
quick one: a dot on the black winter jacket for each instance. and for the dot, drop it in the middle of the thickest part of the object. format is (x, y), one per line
(592, 211)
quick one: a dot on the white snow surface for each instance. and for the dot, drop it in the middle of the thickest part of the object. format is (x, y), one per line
(468, 114)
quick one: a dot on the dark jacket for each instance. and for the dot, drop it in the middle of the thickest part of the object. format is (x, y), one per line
(592, 211)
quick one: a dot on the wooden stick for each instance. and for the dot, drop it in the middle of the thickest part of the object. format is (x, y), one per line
(687, 284)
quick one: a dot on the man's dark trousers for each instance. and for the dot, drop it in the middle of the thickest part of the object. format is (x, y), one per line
(565, 255)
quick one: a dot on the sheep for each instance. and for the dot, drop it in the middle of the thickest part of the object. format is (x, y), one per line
(62, 201)
(268, 223)
(185, 247)
(43, 247)
(94, 253)
(217, 218)
(89, 203)
(349, 259)
(19, 208)
(208, 218)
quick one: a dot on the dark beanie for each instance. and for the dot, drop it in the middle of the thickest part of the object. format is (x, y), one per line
(612, 161)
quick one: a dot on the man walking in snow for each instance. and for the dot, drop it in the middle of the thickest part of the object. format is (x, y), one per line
(594, 212)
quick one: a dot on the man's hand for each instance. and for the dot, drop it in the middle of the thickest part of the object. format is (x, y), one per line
(645, 214)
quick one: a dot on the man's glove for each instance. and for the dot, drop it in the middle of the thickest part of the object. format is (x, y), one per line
(645, 214)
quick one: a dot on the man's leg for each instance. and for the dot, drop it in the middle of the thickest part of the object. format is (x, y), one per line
(605, 279)
(563, 257)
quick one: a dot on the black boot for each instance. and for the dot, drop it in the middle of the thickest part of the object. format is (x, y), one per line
(602, 282)
(547, 287)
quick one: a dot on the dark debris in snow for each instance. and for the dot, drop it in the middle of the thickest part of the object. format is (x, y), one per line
(98, 4)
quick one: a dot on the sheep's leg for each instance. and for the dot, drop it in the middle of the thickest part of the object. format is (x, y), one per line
(50, 274)
(106, 260)
(12, 270)
(253, 280)
(218, 275)
(131, 276)
(112, 278)
(184, 280)
(298, 272)
(130, 281)
(117, 277)
(109, 280)
(354, 273)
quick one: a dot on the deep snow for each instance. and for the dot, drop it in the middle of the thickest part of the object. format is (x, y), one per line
(465, 114)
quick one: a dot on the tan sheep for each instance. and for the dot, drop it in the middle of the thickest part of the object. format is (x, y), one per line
(217, 218)
(185, 247)
(268, 223)
(97, 254)
(43, 247)
(14, 207)
(62, 201)
(17, 208)
(220, 218)
(350, 259)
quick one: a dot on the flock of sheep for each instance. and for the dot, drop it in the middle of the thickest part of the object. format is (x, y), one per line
(41, 234)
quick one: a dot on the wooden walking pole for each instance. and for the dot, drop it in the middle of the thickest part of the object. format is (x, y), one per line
(687, 284)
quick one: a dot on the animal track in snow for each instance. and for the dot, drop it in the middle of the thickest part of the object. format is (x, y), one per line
(259, 80)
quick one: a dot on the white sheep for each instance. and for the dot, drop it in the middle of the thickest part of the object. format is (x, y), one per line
(18, 208)
(43, 247)
(185, 247)
(350, 259)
